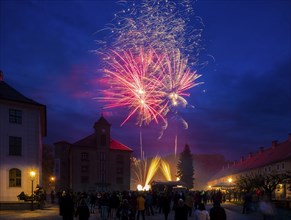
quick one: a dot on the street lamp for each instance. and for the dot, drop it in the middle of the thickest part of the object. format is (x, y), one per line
(52, 181)
(32, 176)
(229, 181)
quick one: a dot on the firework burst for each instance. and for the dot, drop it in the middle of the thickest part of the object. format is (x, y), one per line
(135, 82)
(148, 68)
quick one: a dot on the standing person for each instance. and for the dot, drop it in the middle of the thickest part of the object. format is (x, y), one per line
(82, 211)
(149, 203)
(181, 211)
(166, 205)
(124, 211)
(67, 206)
(104, 203)
(267, 208)
(189, 202)
(114, 204)
(247, 203)
(53, 196)
(217, 212)
(93, 200)
(140, 203)
(201, 213)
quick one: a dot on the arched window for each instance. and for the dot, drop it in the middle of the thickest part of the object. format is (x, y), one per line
(14, 177)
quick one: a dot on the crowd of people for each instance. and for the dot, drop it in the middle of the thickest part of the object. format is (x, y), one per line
(134, 205)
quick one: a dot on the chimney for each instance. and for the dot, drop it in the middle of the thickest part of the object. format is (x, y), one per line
(1, 76)
(242, 159)
(274, 143)
(250, 155)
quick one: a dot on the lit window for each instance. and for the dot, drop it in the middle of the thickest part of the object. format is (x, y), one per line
(15, 146)
(15, 116)
(14, 178)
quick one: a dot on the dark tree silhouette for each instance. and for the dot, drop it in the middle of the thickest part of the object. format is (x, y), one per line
(185, 169)
(267, 182)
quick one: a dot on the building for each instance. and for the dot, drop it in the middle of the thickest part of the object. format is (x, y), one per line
(275, 159)
(22, 127)
(95, 163)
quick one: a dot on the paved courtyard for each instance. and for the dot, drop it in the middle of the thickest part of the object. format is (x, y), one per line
(51, 212)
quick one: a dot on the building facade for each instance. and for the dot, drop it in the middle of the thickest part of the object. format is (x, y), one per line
(95, 163)
(275, 159)
(22, 127)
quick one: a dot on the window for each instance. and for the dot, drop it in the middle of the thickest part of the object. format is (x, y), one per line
(103, 139)
(15, 146)
(102, 156)
(119, 180)
(15, 116)
(84, 156)
(84, 169)
(282, 166)
(14, 178)
(119, 170)
(119, 159)
(84, 179)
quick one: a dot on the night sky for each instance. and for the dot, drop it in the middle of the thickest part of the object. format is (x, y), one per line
(245, 101)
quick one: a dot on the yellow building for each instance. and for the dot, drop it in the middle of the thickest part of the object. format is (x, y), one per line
(276, 158)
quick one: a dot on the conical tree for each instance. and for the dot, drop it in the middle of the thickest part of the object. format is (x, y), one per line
(185, 169)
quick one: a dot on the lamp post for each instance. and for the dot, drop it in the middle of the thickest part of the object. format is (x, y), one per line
(32, 176)
(229, 181)
(52, 186)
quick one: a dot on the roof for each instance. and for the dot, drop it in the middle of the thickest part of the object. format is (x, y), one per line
(102, 121)
(9, 93)
(276, 153)
(91, 141)
(115, 145)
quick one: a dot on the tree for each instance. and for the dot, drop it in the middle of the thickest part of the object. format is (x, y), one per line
(185, 170)
(266, 182)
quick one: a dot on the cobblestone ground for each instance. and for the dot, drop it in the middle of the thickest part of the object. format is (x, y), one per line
(51, 212)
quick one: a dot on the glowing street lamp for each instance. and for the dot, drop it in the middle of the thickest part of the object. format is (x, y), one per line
(32, 176)
(229, 182)
(52, 181)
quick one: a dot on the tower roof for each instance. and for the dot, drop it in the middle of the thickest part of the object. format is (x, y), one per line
(102, 121)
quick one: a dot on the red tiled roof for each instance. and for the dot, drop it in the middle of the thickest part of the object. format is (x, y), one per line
(115, 145)
(90, 141)
(276, 153)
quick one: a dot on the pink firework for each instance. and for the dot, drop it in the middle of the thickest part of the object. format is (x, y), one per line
(135, 81)
(178, 78)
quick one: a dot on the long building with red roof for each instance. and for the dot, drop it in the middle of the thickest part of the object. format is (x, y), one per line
(94, 163)
(276, 158)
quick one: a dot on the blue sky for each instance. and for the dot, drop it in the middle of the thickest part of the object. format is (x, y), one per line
(244, 103)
